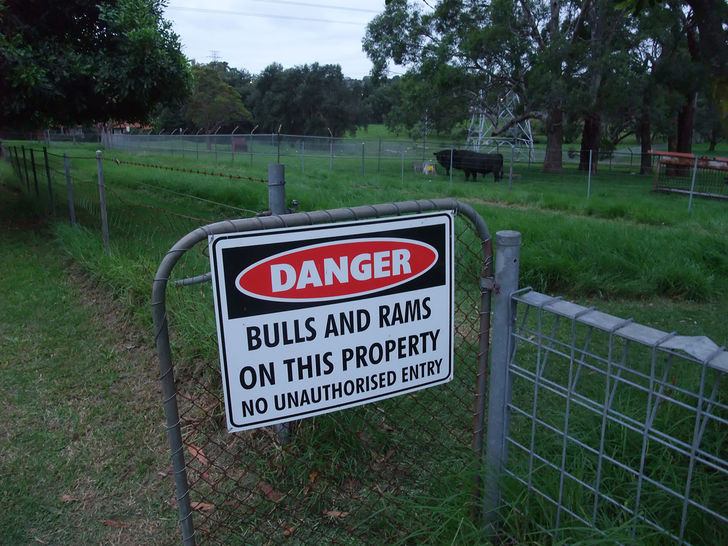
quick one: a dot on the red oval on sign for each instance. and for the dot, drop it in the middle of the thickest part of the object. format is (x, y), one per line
(330, 271)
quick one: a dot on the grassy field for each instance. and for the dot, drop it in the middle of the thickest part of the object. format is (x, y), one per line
(627, 250)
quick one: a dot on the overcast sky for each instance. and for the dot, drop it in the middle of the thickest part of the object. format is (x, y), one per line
(252, 34)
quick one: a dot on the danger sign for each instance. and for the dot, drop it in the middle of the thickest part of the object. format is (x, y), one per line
(322, 318)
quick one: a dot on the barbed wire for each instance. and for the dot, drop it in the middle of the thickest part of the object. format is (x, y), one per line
(158, 209)
(202, 199)
(188, 171)
(155, 166)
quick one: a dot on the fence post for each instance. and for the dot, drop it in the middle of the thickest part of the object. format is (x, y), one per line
(331, 153)
(362, 158)
(25, 167)
(510, 169)
(277, 205)
(16, 164)
(277, 188)
(250, 148)
(18, 169)
(452, 151)
(402, 165)
(507, 258)
(278, 146)
(379, 156)
(50, 186)
(102, 202)
(588, 185)
(35, 174)
(692, 184)
(71, 208)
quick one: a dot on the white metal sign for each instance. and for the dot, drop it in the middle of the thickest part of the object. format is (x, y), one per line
(321, 318)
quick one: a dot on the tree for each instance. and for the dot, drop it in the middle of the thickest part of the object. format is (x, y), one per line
(307, 100)
(709, 44)
(239, 79)
(523, 46)
(429, 101)
(214, 103)
(598, 64)
(85, 61)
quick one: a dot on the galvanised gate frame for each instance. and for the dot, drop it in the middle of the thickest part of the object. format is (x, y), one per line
(600, 428)
(247, 487)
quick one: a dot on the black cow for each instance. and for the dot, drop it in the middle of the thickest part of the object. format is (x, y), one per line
(472, 163)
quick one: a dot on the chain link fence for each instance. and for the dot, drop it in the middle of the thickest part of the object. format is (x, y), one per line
(398, 470)
(360, 155)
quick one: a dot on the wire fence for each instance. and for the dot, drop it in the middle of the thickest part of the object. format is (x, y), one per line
(400, 158)
(338, 153)
(607, 430)
(612, 425)
(381, 155)
(96, 192)
(691, 174)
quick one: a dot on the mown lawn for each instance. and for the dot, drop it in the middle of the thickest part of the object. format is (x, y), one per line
(83, 458)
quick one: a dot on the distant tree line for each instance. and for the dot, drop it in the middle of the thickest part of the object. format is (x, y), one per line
(308, 100)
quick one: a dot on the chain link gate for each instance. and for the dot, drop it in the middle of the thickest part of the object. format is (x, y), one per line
(397, 470)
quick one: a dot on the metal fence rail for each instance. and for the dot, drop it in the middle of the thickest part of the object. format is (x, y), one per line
(613, 429)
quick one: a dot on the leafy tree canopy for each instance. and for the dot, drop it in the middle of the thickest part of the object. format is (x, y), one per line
(307, 100)
(214, 103)
(710, 17)
(85, 61)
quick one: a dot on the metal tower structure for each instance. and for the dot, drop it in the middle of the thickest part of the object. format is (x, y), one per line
(486, 119)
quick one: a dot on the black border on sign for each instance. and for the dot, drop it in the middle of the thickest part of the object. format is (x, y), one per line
(449, 246)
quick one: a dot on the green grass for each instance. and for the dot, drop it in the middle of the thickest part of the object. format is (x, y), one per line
(627, 250)
(81, 450)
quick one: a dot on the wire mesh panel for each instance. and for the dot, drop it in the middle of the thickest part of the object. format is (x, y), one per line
(686, 173)
(397, 470)
(617, 430)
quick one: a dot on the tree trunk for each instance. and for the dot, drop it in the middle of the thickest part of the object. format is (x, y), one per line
(590, 142)
(685, 121)
(645, 145)
(552, 162)
(713, 138)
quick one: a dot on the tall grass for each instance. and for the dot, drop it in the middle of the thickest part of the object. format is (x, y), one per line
(622, 243)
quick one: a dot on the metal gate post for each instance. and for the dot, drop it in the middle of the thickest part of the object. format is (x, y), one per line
(169, 393)
(102, 201)
(277, 189)
(507, 258)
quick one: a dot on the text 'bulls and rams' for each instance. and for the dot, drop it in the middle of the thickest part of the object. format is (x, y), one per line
(306, 366)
